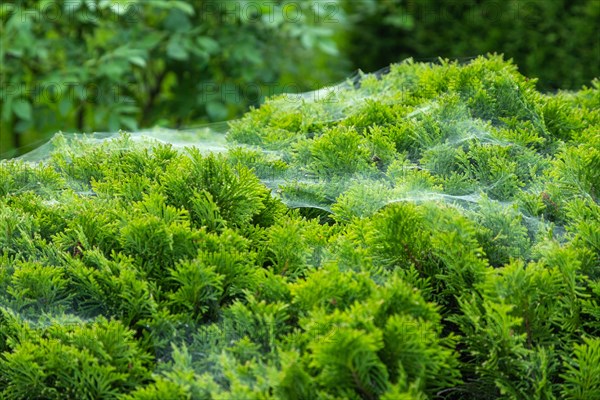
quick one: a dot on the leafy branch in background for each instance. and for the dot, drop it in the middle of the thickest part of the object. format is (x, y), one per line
(107, 65)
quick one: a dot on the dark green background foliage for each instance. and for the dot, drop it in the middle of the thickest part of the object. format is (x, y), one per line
(104, 65)
(557, 41)
(433, 233)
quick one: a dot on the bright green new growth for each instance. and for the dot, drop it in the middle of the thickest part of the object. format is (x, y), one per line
(429, 232)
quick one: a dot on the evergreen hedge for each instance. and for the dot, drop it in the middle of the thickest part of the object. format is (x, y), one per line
(432, 232)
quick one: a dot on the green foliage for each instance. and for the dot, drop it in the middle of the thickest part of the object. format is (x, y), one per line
(350, 364)
(36, 287)
(103, 66)
(502, 232)
(581, 378)
(432, 232)
(238, 194)
(388, 31)
(336, 152)
(83, 361)
(198, 289)
(113, 288)
(98, 66)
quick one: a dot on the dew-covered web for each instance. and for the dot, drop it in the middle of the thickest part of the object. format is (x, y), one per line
(277, 141)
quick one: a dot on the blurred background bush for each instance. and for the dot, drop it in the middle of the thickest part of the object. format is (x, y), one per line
(557, 41)
(105, 65)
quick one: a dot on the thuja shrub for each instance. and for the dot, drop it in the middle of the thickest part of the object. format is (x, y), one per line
(429, 232)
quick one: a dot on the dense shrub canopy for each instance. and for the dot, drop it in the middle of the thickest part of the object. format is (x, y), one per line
(429, 232)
